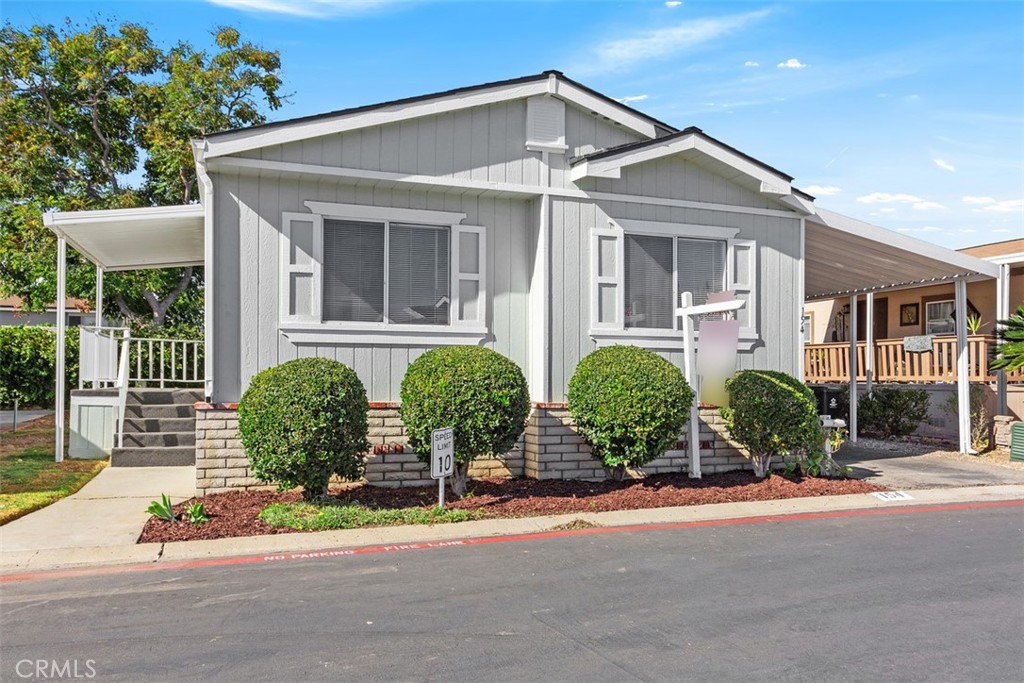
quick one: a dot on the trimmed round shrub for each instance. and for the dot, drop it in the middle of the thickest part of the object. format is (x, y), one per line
(893, 411)
(479, 392)
(771, 413)
(629, 404)
(302, 422)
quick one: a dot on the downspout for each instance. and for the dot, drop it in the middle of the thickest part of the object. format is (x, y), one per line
(206, 197)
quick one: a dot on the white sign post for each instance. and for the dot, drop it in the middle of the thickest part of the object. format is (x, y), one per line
(442, 458)
(688, 312)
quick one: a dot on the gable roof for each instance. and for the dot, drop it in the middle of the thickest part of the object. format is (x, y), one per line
(547, 82)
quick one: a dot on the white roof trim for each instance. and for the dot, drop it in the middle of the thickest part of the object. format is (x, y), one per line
(134, 239)
(249, 139)
(1007, 259)
(611, 166)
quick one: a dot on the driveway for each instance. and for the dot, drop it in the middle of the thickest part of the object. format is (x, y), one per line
(7, 418)
(908, 466)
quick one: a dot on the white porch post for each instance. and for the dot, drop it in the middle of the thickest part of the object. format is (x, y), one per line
(98, 323)
(869, 340)
(1002, 313)
(62, 266)
(963, 380)
(853, 368)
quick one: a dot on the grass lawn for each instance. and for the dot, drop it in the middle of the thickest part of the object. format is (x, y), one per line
(29, 478)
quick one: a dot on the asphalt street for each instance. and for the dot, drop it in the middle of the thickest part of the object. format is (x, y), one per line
(920, 596)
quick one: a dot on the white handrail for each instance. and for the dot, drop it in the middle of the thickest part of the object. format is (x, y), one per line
(151, 366)
(122, 386)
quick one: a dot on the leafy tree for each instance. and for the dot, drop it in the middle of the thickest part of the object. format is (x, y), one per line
(1011, 333)
(81, 107)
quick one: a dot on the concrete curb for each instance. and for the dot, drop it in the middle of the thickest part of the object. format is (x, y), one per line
(12, 562)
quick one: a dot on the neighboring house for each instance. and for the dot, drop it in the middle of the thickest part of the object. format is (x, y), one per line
(77, 312)
(533, 216)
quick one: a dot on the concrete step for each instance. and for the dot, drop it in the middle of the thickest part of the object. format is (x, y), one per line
(159, 439)
(158, 412)
(135, 425)
(164, 396)
(153, 457)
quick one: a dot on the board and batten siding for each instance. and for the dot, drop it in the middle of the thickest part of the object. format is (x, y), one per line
(484, 143)
(246, 323)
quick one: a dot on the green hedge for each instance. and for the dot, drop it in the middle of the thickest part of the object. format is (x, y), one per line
(629, 404)
(479, 392)
(28, 365)
(771, 413)
(302, 422)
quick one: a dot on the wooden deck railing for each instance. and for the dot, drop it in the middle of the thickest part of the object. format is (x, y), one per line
(831, 362)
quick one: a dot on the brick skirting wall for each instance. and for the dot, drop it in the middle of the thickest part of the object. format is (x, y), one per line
(550, 449)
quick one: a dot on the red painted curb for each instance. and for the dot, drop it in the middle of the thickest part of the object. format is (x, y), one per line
(485, 540)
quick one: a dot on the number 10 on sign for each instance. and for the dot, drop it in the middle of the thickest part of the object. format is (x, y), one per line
(442, 458)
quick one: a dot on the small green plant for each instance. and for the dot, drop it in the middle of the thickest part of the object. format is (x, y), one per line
(196, 513)
(309, 517)
(979, 417)
(302, 422)
(817, 462)
(162, 509)
(771, 413)
(479, 392)
(1010, 351)
(892, 411)
(974, 323)
(629, 404)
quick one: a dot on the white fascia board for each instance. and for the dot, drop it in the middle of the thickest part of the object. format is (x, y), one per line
(896, 240)
(383, 213)
(61, 219)
(584, 99)
(245, 140)
(1006, 258)
(799, 204)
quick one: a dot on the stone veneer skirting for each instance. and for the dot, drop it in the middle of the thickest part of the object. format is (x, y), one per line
(550, 449)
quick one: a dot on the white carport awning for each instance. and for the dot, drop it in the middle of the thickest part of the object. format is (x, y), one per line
(846, 256)
(134, 239)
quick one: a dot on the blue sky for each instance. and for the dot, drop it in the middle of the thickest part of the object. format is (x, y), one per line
(909, 115)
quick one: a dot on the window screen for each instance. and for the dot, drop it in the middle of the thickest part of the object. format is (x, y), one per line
(648, 274)
(353, 272)
(418, 275)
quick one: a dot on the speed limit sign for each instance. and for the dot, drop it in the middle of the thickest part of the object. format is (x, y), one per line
(442, 453)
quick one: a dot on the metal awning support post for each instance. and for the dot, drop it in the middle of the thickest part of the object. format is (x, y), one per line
(1002, 313)
(62, 268)
(963, 379)
(853, 368)
(99, 326)
(869, 340)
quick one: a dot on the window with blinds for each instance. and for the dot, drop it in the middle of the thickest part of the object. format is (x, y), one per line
(700, 269)
(386, 272)
(648, 280)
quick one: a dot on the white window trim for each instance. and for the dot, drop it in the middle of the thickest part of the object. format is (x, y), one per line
(315, 330)
(610, 333)
(932, 303)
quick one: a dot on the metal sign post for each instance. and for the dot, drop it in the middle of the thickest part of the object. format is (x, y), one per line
(442, 459)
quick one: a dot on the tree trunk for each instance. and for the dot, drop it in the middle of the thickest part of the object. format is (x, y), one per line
(160, 306)
(762, 464)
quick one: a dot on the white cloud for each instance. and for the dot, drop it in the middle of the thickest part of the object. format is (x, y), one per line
(750, 62)
(791, 63)
(1000, 230)
(944, 165)
(977, 200)
(822, 190)
(672, 4)
(968, 231)
(304, 8)
(665, 42)
(899, 198)
(1005, 206)
(632, 98)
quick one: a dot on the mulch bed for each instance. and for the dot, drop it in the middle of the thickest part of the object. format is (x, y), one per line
(236, 513)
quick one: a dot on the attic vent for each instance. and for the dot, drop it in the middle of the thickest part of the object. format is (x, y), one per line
(545, 124)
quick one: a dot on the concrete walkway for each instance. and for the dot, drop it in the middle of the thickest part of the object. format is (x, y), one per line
(7, 422)
(109, 511)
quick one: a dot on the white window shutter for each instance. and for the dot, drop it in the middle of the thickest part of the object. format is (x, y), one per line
(469, 276)
(607, 294)
(742, 273)
(301, 256)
